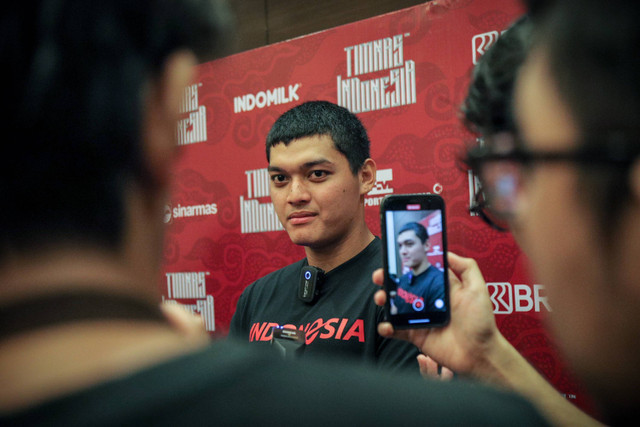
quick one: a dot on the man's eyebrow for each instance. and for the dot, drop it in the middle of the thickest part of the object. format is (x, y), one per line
(306, 165)
(313, 163)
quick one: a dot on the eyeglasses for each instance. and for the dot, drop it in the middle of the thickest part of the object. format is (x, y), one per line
(503, 164)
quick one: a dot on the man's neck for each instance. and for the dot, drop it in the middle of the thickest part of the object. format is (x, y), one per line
(67, 269)
(83, 352)
(421, 268)
(51, 362)
(331, 256)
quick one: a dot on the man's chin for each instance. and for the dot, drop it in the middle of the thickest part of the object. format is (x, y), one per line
(306, 240)
(301, 239)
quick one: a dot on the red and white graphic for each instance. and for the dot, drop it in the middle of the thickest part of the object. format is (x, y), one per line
(184, 286)
(480, 43)
(507, 298)
(193, 128)
(361, 90)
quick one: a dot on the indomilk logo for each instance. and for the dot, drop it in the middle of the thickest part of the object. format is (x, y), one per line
(275, 96)
(191, 285)
(256, 217)
(396, 88)
(194, 128)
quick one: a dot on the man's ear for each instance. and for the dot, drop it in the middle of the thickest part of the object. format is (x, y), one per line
(367, 175)
(162, 111)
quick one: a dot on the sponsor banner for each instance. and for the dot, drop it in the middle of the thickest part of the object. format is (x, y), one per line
(193, 127)
(405, 75)
(507, 298)
(189, 290)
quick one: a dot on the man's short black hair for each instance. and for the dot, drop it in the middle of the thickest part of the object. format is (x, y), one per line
(323, 118)
(76, 76)
(417, 228)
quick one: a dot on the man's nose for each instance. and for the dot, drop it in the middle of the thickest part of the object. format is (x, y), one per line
(298, 192)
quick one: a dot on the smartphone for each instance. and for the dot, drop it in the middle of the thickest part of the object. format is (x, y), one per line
(414, 236)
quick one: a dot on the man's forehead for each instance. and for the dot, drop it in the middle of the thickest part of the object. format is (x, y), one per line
(309, 142)
(306, 152)
(537, 100)
(408, 235)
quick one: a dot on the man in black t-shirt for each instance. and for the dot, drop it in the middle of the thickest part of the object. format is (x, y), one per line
(423, 285)
(320, 170)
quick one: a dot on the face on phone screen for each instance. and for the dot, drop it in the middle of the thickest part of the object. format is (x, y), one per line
(415, 264)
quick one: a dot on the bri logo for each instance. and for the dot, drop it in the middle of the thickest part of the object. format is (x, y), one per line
(334, 328)
(507, 298)
(480, 43)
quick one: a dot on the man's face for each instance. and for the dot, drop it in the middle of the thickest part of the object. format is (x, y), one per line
(315, 195)
(559, 233)
(412, 251)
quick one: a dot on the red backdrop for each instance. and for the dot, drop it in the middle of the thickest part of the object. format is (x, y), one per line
(405, 75)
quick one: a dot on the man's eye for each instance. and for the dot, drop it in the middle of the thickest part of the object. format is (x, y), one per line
(319, 174)
(278, 179)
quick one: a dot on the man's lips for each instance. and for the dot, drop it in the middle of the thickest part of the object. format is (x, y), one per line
(297, 218)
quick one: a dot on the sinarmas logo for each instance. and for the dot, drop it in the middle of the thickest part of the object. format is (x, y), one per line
(171, 213)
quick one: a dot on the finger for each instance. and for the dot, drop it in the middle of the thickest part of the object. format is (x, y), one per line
(378, 277)
(380, 298)
(385, 329)
(423, 363)
(454, 281)
(466, 268)
(446, 373)
(187, 323)
(431, 367)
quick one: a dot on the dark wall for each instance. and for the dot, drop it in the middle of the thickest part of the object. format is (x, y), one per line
(262, 22)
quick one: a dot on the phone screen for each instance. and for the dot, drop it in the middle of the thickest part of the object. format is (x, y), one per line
(415, 262)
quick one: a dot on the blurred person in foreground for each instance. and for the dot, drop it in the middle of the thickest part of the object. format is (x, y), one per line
(91, 106)
(575, 200)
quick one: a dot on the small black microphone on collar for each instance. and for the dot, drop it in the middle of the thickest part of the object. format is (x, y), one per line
(311, 279)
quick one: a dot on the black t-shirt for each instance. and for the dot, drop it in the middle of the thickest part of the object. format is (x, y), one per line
(231, 384)
(424, 291)
(341, 323)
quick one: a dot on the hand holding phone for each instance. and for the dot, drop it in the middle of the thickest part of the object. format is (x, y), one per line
(415, 261)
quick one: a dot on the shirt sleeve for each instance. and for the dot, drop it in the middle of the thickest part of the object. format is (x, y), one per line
(238, 327)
